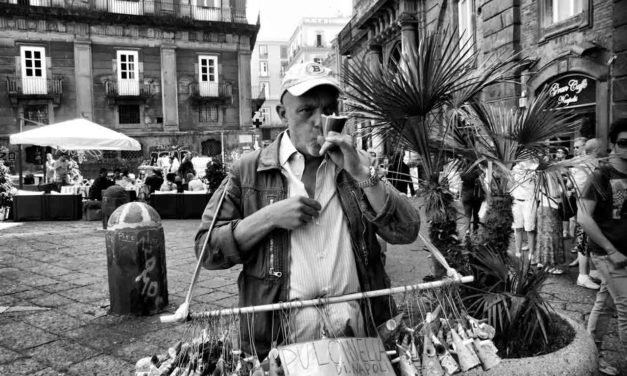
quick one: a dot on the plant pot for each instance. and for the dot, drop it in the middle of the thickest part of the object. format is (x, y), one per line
(579, 358)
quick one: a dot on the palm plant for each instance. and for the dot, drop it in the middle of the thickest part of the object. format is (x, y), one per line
(504, 137)
(417, 104)
(509, 298)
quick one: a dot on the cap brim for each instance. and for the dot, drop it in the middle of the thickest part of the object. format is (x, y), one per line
(302, 88)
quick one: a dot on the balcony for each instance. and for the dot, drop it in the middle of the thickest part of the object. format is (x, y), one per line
(211, 92)
(194, 9)
(34, 88)
(128, 90)
(257, 102)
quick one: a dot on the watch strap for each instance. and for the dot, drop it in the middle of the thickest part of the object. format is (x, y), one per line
(372, 180)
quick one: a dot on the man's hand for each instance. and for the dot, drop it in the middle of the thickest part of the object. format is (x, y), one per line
(293, 212)
(341, 150)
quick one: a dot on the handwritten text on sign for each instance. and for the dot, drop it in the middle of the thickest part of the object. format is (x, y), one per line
(339, 356)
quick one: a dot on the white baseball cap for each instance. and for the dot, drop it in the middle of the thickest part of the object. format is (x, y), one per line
(302, 77)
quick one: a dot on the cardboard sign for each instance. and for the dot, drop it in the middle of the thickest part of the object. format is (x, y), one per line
(339, 356)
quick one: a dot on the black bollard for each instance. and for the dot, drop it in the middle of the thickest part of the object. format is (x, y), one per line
(136, 260)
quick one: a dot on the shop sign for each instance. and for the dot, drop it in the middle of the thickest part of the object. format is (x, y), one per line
(573, 91)
(337, 356)
(245, 139)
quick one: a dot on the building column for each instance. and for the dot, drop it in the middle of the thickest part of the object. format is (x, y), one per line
(409, 26)
(374, 57)
(169, 88)
(83, 79)
(409, 34)
(245, 100)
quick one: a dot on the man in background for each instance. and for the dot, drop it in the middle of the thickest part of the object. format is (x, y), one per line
(524, 207)
(61, 171)
(603, 216)
(100, 183)
(154, 180)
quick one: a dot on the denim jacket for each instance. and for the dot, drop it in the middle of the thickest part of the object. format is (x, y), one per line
(256, 181)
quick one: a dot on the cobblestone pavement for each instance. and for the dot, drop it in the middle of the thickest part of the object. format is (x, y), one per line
(61, 266)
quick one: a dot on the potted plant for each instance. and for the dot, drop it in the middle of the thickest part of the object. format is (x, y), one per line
(505, 136)
(6, 192)
(421, 104)
(417, 104)
(531, 336)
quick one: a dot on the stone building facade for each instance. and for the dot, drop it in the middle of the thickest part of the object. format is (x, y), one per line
(173, 75)
(578, 48)
(267, 68)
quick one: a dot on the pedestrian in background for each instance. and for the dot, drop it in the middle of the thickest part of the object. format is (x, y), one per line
(154, 180)
(186, 167)
(594, 149)
(100, 183)
(169, 184)
(472, 196)
(524, 207)
(61, 172)
(398, 174)
(603, 216)
(49, 168)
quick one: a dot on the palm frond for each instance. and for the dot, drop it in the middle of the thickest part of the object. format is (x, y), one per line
(506, 136)
(439, 75)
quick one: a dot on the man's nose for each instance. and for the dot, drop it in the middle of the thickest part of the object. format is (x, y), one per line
(317, 118)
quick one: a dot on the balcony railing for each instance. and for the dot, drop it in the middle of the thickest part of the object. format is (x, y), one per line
(33, 87)
(128, 89)
(211, 90)
(194, 10)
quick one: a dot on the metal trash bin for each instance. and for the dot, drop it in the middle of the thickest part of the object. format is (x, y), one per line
(136, 260)
(112, 198)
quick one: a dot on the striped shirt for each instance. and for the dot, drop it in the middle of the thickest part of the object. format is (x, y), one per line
(322, 263)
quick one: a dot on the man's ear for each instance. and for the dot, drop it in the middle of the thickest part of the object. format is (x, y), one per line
(280, 109)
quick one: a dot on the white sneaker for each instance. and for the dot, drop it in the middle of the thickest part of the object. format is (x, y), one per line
(607, 369)
(584, 281)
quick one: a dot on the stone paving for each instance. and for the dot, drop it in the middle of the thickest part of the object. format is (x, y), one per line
(61, 267)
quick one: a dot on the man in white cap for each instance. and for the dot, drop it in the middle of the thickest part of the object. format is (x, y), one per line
(302, 216)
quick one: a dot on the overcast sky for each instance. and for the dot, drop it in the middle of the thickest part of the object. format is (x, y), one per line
(280, 17)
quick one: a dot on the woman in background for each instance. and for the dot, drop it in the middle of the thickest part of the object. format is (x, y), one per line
(169, 184)
(49, 168)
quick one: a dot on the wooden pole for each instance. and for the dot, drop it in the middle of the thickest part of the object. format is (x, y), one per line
(331, 300)
(20, 167)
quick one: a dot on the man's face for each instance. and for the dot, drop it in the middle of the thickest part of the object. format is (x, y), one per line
(620, 146)
(578, 148)
(559, 155)
(302, 115)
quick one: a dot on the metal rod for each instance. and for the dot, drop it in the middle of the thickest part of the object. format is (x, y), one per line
(331, 300)
(183, 311)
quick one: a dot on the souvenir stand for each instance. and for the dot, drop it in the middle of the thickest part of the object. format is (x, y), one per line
(431, 335)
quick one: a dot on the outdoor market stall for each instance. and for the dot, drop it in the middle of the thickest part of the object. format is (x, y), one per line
(76, 134)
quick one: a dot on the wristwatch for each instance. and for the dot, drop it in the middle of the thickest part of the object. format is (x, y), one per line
(372, 180)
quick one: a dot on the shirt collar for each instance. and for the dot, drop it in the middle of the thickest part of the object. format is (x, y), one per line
(286, 149)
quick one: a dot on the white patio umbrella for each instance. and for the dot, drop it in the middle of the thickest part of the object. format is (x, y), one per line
(76, 134)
